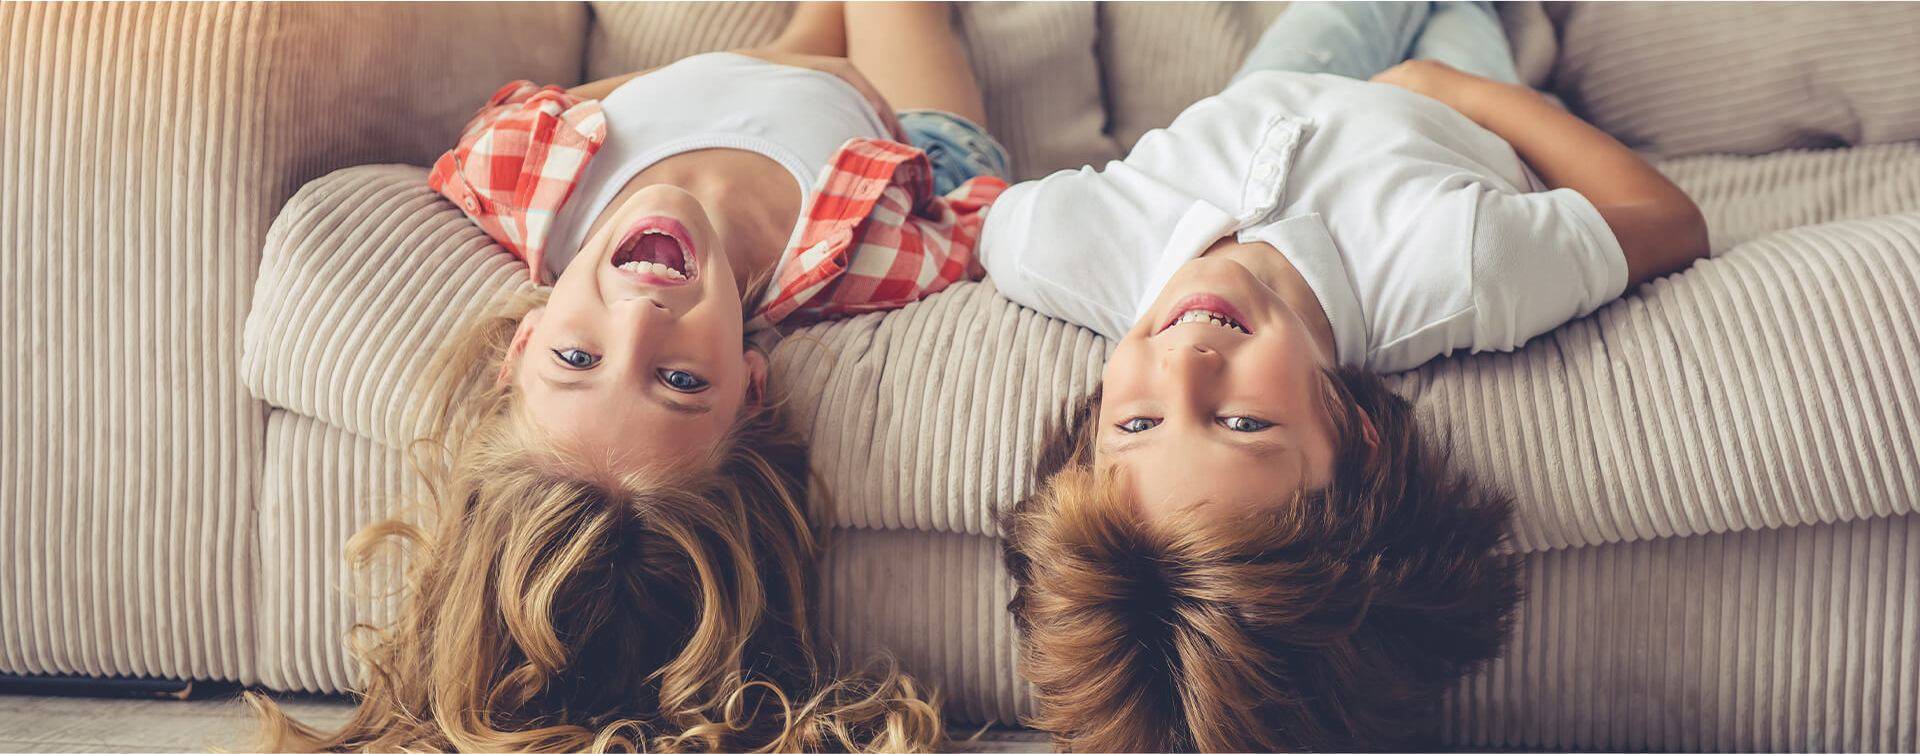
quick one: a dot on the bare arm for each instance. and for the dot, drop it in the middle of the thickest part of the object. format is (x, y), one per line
(1660, 229)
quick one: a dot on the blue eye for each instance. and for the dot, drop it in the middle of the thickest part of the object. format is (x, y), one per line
(1138, 424)
(574, 358)
(1244, 423)
(685, 382)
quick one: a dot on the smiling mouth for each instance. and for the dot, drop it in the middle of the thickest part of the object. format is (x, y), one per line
(657, 251)
(1208, 309)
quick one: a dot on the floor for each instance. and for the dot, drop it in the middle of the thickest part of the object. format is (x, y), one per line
(66, 723)
(61, 723)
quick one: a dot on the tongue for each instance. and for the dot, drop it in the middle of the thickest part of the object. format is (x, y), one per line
(660, 249)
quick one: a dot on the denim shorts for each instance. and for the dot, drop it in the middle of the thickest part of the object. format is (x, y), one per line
(958, 149)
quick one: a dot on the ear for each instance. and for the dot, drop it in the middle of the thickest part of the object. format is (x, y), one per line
(756, 375)
(1369, 434)
(521, 336)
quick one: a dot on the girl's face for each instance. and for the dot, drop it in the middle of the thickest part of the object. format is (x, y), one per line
(1215, 396)
(637, 361)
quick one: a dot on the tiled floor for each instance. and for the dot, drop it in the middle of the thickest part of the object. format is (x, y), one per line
(56, 723)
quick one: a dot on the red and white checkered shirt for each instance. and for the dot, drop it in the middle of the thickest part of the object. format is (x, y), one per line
(873, 235)
(517, 162)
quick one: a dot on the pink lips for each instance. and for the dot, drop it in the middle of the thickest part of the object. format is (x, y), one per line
(1208, 302)
(629, 245)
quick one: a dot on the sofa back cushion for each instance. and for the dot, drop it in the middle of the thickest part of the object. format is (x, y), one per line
(1676, 78)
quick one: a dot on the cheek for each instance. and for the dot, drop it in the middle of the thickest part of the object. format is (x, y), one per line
(1126, 370)
(1287, 377)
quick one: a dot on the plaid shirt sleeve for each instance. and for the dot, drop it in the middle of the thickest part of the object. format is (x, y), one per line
(516, 163)
(875, 237)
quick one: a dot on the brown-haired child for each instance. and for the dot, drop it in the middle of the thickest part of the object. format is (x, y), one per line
(1243, 540)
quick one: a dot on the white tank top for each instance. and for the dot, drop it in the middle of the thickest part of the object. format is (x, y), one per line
(796, 117)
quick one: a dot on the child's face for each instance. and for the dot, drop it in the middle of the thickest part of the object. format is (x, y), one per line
(637, 360)
(1228, 414)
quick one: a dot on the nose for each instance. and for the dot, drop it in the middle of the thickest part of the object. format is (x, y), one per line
(1189, 363)
(646, 318)
(1189, 357)
(1188, 373)
(648, 308)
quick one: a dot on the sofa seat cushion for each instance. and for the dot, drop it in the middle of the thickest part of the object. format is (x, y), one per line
(1649, 419)
(1764, 640)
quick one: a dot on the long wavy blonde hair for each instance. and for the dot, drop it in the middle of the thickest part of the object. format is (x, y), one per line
(550, 612)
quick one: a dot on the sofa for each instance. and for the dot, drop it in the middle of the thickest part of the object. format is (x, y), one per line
(224, 271)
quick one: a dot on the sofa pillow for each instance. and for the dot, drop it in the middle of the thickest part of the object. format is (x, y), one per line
(1686, 78)
(1035, 61)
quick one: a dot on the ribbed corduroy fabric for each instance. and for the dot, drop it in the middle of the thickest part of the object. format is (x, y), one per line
(1687, 78)
(143, 156)
(935, 601)
(1789, 639)
(1156, 55)
(1797, 639)
(930, 417)
(144, 151)
(324, 485)
(342, 249)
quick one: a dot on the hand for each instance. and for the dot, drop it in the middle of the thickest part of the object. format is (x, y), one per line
(844, 69)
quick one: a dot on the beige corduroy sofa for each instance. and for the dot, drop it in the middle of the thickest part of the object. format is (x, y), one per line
(207, 370)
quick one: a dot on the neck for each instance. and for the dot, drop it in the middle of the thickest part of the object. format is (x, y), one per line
(1273, 269)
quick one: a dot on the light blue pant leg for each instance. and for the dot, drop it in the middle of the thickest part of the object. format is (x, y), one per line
(1356, 40)
(1467, 36)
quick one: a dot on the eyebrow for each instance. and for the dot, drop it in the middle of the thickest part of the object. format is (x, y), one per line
(691, 409)
(1256, 448)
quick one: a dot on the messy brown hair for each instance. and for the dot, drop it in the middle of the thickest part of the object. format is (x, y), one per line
(550, 610)
(1334, 619)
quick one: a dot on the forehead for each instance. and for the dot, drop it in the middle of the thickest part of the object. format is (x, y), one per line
(1176, 473)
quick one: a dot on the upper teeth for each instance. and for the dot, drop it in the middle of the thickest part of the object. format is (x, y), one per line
(653, 267)
(1209, 317)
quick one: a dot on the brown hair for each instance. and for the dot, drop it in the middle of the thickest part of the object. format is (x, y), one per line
(549, 612)
(1335, 619)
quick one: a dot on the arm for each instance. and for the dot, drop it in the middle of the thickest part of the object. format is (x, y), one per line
(1660, 229)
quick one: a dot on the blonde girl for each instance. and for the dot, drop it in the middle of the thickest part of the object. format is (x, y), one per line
(617, 552)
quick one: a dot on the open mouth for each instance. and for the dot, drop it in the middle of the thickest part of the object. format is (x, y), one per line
(656, 250)
(1207, 309)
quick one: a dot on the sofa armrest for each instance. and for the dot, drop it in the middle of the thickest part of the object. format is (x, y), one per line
(145, 150)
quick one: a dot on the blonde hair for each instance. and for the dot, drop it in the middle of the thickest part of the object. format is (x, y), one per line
(1332, 619)
(548, 612)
